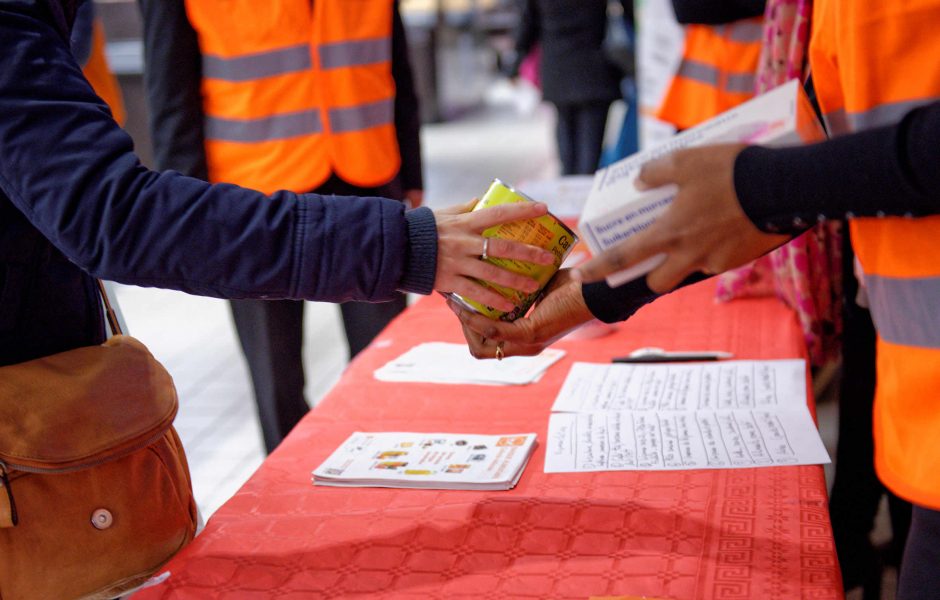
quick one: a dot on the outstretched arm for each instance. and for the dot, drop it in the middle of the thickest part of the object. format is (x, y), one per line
(68, 167)
(736, 203)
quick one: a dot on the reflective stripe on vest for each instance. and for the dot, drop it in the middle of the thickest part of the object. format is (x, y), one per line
(743, 32)
(742, 83)
(364, 116)
(355, 53)
(906, 311)
(717, 72)
(257, 66)
(840, 122)
(295, 91)
(873, 62)
(264, 129)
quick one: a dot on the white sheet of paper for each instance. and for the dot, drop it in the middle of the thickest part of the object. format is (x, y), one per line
(441, 362)
(727, 384)
(722, 415)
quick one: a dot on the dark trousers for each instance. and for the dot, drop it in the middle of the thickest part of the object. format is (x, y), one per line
(580, 133)
(920, 570)
(271, 337)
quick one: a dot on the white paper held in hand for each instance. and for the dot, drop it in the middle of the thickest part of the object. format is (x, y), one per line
(616, 210)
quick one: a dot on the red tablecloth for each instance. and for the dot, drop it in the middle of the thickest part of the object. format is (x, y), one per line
(743, 534)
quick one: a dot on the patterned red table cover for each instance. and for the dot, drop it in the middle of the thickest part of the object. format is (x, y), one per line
(749, 534)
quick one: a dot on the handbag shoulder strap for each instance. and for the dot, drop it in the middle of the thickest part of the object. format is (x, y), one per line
(110, 314)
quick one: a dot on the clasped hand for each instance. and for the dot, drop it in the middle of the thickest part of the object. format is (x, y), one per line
(458, 269)
(704, 229)
(460, 245)
(560, 310)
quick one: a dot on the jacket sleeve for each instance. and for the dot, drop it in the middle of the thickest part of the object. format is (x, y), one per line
(885, 171)
(612, 304)
(880, 172)
(712, 12)
(407, 109)
(173, 76)
(83, 33)
(68, 167)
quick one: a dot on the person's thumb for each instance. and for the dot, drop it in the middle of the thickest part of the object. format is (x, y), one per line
(643, 245)
(458, 209)
(656, 173)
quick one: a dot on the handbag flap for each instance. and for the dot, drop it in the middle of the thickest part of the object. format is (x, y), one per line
(83, 406)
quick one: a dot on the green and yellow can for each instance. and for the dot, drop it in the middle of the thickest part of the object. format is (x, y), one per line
(546, 232)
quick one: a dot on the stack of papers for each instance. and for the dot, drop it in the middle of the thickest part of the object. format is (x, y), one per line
(444, 461)
(716, 415)
(439, 362)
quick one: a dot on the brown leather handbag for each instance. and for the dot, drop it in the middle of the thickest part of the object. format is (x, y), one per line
(95, 492)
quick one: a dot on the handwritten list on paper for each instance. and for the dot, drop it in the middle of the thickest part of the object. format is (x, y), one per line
(731, 414)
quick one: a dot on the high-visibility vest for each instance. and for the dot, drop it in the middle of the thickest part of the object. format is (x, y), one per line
(294, 91)
(717, 72)
(99, 75)
(872, 62)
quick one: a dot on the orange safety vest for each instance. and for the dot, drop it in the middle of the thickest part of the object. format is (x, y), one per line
(294, 91)
(99, 75)
(717, 71)
(872, 62)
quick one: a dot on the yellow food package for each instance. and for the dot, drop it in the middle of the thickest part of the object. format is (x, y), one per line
(546, 232)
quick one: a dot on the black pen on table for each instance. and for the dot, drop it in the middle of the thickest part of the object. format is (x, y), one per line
(658, 355)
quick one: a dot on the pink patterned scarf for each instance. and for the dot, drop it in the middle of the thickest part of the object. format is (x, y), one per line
(806, 272)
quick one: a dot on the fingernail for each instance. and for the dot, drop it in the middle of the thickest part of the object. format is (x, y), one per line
(577, 275)
(548, 258)
(641, 185)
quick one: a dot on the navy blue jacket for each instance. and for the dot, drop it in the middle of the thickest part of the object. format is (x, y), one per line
(75, 202)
